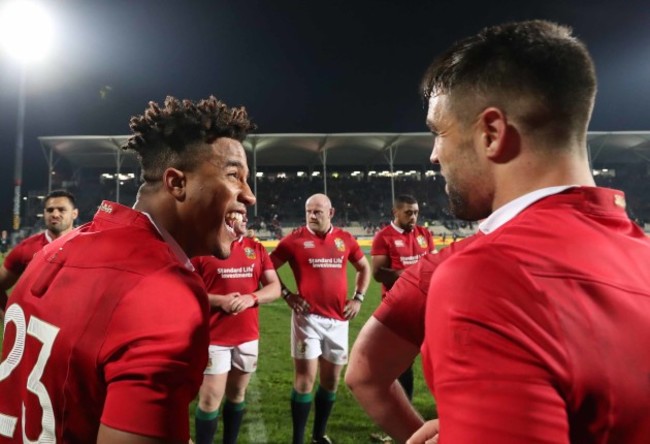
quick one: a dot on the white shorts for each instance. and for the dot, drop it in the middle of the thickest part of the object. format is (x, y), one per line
(222, 358)
(313, 335)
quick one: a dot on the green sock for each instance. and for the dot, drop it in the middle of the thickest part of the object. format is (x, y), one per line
(206, 425)
(300, 406)
(232, 418)
(324, 403)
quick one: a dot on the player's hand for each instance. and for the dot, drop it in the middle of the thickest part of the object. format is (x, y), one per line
(298, 304)
(351, 309)
(225, 302)
(427, 434)
(241, 303)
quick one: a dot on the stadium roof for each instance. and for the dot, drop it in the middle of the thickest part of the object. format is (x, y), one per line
(311, 151)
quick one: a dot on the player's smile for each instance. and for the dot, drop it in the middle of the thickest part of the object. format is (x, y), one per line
(236, 223)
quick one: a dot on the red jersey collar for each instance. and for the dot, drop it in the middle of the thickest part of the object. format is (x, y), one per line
(117, 213)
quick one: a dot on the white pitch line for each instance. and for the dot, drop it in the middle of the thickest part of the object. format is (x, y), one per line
(254, 419)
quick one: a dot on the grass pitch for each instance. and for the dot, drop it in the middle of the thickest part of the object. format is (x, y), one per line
(268, 416)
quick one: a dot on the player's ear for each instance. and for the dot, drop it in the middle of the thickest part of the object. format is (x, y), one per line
(75, 213)
(332, 211)
(175, 182)
(495, 135)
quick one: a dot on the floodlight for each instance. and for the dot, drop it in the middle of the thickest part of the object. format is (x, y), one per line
(26, 30)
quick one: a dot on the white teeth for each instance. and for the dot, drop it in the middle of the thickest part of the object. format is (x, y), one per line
(235, 216)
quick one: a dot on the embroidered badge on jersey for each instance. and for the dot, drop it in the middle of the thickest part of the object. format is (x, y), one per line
(340, 245)
(250, 253)
(422, 242)
(399, 243)
(309, 244)
(619, 200)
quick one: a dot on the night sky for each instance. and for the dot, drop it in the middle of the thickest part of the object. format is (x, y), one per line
(298, 66)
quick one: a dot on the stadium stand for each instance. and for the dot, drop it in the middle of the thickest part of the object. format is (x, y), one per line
(360, 172)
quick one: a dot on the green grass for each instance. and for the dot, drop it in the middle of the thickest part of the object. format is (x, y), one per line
(268, 417)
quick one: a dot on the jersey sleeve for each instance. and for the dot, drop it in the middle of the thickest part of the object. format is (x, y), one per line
(491, 340)
(154, 355)
(402, 309)
(282, 251)
(379, 246)
(265, 258)
(431, 242)
(356, 253)
(15, 261)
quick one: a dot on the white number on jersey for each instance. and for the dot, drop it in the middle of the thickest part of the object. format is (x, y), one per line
(46, 334)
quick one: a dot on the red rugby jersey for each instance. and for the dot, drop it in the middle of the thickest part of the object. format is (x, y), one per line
(402, 309)
(540, 331)
(241, 272)
(404, 248)
(319, 265)
(106, 324)
(20, 256)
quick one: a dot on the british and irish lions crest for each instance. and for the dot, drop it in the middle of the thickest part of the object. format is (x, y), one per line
(340, 245)
(250, 253)
(422, 242)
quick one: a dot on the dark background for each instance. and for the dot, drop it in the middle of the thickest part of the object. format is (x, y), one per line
(298, 66)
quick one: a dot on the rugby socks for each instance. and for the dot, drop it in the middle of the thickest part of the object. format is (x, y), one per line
(206, 425)
(300, 406)
(232, 417)
(324, 403)
(406, 381)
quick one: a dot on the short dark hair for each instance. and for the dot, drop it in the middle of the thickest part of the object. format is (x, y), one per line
(60, 193)
(404, 199)
(174, 135)
(537, 64)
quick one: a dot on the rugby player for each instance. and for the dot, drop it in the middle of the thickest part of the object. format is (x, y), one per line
(59, 213)
(107, 329)
(318, 254)
(236, 287)
(395, 248)
(539, 330)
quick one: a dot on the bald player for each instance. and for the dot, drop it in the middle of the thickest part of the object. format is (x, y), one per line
(318, 254)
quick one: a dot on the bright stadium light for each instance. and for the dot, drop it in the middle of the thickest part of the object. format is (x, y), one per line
(26, 33)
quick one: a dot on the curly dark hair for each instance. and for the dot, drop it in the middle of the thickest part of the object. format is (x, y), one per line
(176, 134)
(536, 62)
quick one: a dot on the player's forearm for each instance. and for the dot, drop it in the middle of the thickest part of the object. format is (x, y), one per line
(3, 299)
(218, 300)
(386, 276)
(268, 293)
(389, 407)
(362, 281)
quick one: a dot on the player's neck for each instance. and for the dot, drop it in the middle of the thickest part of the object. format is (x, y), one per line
(322, 233)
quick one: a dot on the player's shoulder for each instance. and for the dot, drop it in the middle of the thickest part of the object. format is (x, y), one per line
(297, 232)
(254, 243)
(419, 229)
(130, 248)
(341, 232)
(33, 240)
